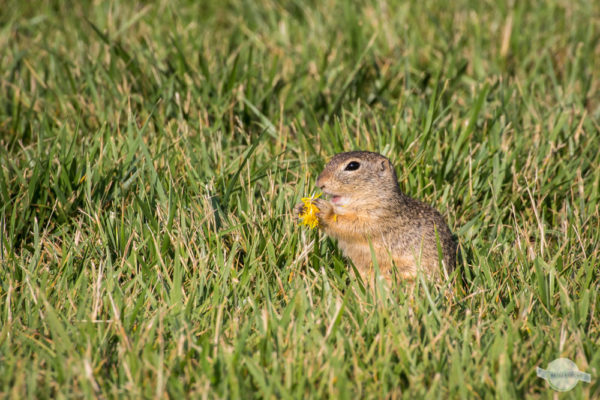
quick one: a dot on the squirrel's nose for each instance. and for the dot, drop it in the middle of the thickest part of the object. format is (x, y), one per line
(320, 184)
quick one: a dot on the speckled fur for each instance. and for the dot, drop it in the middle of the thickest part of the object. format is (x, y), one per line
(402, 230)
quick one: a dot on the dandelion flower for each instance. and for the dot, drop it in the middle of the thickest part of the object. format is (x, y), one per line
(309, 215)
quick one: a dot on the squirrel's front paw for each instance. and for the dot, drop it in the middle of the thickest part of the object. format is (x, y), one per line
(325, 208)
(298, 209)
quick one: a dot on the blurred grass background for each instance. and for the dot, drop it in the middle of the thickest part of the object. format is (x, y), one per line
(151, 153)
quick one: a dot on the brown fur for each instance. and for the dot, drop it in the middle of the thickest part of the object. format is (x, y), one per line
(401, 230)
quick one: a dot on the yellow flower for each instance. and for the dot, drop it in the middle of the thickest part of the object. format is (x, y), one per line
(309, 215)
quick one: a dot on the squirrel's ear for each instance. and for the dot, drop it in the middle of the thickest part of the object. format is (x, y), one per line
(386, 168)
(385, 165)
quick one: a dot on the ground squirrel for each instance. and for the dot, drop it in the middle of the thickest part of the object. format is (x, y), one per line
(365, 204)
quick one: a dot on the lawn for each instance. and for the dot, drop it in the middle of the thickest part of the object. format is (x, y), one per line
(151, 154)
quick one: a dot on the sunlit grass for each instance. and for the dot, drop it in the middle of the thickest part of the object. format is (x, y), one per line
(151, 156)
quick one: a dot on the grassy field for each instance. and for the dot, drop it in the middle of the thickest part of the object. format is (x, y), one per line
(151, 155)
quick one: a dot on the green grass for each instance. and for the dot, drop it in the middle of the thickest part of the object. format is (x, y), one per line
(151, 155)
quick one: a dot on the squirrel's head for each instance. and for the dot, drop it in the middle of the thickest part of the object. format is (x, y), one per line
(357, 178)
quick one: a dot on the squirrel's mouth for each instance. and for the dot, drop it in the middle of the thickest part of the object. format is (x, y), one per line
(336, 199)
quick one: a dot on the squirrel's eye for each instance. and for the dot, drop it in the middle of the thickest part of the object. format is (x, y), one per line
(352, 166)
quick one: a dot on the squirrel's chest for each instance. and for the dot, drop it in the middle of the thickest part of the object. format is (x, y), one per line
(360, 251)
